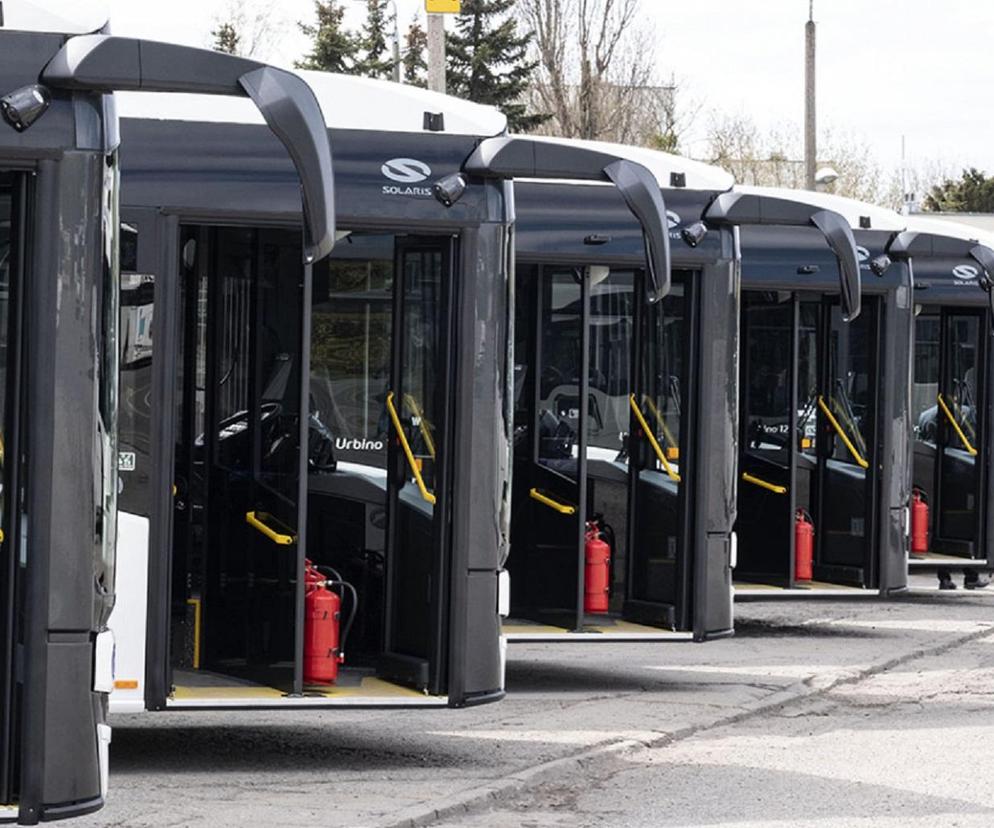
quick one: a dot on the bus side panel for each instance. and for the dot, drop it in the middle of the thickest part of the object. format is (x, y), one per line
(716, 462)
(130, 616)
(480, 519)
(896, 357)
(60, 770)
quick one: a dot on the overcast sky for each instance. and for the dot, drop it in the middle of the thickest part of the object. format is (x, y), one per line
(917, 68)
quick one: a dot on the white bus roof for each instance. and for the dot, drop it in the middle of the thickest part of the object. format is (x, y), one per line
(62, 16)
(855, 212)
(952, 229)
(348, 102)
(698, 175)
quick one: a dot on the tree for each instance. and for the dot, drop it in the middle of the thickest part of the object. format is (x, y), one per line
(972, 192)
(596, 69)
(415, 48)
(373, 41)
(250, 28)
(333, 47)
(226, 38)
(773, 158)
(487, 60)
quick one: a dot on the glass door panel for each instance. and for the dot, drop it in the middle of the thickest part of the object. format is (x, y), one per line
(765, 513)
(847, 403)
(655, 411)
(417, 406)
(958, 432)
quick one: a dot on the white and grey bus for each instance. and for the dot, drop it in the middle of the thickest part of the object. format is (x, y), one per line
(352, 429)
(59, 370)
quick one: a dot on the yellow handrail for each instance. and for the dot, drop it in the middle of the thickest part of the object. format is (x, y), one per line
(773, 487)
(562, 508)
(841, 432)
(660, 419)
(197, 624)
(652, 439)
(417, 411)
(959, 410)
(252, 519)
(395, 418)
(959, 431)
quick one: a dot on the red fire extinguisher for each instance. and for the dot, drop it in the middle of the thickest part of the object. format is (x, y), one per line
(597, 572)
(323, 649)
(804, 546)
(919, 523)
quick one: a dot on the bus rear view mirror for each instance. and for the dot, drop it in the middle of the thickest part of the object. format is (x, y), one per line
(103, 63)
(745, 208)
(510, 157)
(984, 257)
(839, 237)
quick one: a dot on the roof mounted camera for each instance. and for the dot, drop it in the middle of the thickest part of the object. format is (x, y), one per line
(22, 107)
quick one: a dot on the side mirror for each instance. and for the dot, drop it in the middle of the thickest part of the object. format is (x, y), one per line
(984, 257)
(839, 236)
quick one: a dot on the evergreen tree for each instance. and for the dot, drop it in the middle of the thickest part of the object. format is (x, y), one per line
(375, 42)
(414, 60)
(487, 60)
(226, 38)
(973, 192)
(334, 48)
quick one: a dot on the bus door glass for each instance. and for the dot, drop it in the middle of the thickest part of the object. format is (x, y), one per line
(843, 494)
(378, 487)
(548, 514)
(12, 236)
(768, 423)
(958, 405)
(659, 583)
(236, 503)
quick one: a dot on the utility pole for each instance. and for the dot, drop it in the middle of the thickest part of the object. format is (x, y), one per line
(436, 52)
(397, 76)
(810, 118)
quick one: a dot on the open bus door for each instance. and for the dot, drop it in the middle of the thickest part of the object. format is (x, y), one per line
(418, 480)
(951, 397)
(609, 467)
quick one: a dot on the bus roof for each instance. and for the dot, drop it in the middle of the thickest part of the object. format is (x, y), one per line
(952, 229)
(696, 174)
(859, 214)
(61, 16)
(348, 102)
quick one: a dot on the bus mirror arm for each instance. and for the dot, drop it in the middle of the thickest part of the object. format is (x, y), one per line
(103, 63)
(509, 157)
(838, 235)
(984, 257)
(739, 208)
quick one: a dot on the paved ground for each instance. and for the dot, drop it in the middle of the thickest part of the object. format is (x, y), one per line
(826, 713)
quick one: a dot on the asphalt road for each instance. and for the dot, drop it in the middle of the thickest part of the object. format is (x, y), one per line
(826, 713)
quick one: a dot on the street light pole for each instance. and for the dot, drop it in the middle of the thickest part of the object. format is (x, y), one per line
(436, 52)
(397, 76)
(810, 118)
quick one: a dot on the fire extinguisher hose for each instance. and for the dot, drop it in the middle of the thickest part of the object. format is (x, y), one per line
(354, 606)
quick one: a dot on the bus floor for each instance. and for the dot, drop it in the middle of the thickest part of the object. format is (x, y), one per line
(754, 589)
(940, 560)
(597, 628)
(355, 687)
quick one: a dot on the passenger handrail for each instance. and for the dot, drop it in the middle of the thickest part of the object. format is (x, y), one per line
(422, 423)
(562, 508)
(252, 519)
(956, 427)
(841, 432)
(763, 484)
(652, 439)
(654, 409)
(411, 461)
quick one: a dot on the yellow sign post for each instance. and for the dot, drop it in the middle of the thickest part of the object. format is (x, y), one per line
(442, 6)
